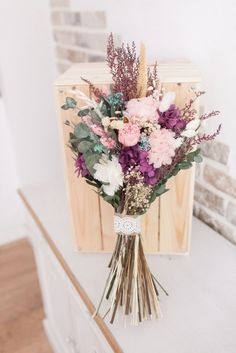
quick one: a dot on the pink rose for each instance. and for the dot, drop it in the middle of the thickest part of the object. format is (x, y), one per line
(129, 135)
(108, 142)
(145, 108)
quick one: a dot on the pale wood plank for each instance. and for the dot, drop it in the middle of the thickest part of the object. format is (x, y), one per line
(21, 310)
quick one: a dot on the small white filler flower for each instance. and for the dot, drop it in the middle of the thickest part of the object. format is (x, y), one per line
(110, 173)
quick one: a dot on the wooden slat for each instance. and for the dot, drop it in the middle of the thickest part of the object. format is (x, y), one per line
(176, 214)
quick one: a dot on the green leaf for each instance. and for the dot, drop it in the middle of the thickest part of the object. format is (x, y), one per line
(198, 159)
(65, 107)
(184, 165)
(81, 131)
(70, 102)
(90, 160)
(85, 146)
(83, 112)
(190, 157)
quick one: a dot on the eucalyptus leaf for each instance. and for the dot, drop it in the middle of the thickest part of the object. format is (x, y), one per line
(85, 146)
(185, 165)
(83, 112)
(81, 131)
(90, 160)
(65, 107)
(198, 158)
(71, 102)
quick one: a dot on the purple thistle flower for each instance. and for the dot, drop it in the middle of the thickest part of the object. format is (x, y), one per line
(135, 156)
(80, 166)
(171, 119)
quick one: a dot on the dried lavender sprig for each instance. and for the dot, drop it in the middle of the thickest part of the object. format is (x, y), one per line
(206, 137)
(209, 115)
(123, 63)
(98, 93)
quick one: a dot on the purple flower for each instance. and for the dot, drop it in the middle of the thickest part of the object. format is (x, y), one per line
(171, 119)
(135, 156)
(80, 166)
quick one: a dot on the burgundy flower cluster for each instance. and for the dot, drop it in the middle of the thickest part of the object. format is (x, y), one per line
(135, 156)
(171, 119)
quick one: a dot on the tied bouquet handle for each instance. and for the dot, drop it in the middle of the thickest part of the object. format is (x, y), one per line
(126, 144)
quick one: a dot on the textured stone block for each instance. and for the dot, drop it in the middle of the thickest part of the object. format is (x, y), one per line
(95, 41)
(72, 18)
(93, 19)
(231, 212)
(216, 150)
(65, 37)
(220, 180)
(71, 55)
(96, 58)
(56, 18)
(209, 199)
(218, 225)
(60, 3)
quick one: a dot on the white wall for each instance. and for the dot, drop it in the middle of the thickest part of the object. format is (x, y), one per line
(11, 213)
(203, 31)
(27, 69)
(27, 65)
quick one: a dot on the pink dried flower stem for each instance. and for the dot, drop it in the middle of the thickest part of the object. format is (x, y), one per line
(206, 137)
(124, 65)
(188, 112)
(98, 93)
(209, 115)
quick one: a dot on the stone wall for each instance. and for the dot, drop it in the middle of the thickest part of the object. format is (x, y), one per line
(79, 36)
(215, 190)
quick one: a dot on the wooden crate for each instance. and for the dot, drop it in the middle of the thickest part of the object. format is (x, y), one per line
(166, 228)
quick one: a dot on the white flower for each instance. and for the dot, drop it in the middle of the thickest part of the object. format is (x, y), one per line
(193, 124)
(117, 124)
(179, 142)
(106, 121)
(166, 101)
(110, 173)
(191, 128)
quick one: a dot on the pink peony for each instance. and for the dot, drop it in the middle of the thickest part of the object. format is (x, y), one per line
(145, 108)
(162, 147)
(129, 135)
(108, 142)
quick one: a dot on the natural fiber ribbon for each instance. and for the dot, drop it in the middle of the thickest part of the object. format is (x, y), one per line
(127, 225)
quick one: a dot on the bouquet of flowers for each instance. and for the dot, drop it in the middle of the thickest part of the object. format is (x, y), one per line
(126, 145)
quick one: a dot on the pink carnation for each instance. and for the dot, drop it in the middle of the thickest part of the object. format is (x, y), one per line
(145, 108)
(162, 147)
(108, 142)
(129, 135)
(98, 130)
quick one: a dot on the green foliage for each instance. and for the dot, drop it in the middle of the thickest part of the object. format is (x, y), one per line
(83, 112)
(158, 190)
(91, 158)
(112, 200)
(84, 146)
(69, 104)
(82, 131)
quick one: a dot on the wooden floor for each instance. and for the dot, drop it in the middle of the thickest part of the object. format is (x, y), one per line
(21, 310)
